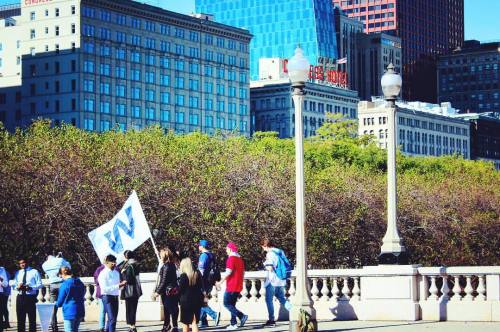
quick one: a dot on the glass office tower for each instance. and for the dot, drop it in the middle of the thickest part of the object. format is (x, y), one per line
(278, 26)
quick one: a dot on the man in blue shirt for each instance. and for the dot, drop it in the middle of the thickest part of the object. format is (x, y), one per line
(4, 296)
(51, 268)
(27, 282)
(204, 264)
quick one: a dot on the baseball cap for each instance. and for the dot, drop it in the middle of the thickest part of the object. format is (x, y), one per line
(204, 243)
(232, 246)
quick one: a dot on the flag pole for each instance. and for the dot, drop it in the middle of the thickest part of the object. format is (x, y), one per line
(155, 249)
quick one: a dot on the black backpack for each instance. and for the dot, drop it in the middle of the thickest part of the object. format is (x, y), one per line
(213, 270)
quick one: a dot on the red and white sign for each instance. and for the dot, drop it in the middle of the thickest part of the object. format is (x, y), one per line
(319, 73)
(35, 2)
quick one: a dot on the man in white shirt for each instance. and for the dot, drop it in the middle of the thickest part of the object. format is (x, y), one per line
(273, 284)
(4, 284)
(27, 282)
(109, 281)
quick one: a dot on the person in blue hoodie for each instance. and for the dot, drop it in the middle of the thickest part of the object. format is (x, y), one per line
(71, 298)
(51, 268)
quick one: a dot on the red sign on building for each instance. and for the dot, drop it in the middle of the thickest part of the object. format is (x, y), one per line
(320, 73)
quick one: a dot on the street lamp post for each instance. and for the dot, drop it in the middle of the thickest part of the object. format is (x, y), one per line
(298, 71)
(392, 251)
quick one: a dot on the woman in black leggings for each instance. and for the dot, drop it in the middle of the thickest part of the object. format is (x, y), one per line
(168, 289)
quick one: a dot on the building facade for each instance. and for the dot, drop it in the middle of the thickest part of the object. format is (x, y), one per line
(469, 77)
(101, 64)
(485, 136)
(272, 108)
(426, 28)
(278, 26)
(375, 52)
(422, 129)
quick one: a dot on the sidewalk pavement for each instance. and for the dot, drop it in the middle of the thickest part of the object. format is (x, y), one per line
(332, 326)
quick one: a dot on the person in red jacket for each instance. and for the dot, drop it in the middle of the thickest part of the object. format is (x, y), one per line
(235, 270)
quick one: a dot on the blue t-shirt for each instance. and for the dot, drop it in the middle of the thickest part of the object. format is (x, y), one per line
(204, 262)
(72, 299)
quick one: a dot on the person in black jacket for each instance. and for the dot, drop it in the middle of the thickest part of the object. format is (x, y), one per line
(192, 295)
(168, 290)
(132, 291)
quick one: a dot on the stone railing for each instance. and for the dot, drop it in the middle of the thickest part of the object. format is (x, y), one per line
(369, 293)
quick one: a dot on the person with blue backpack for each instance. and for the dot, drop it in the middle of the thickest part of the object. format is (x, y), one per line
(210, 273)
(278, 269)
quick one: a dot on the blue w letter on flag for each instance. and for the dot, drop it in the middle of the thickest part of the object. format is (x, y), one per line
(116, 243)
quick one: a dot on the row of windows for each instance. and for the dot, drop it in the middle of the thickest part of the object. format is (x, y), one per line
(432, 126)
(57, 31)
(57, 13)
(180, 118)
(89, 104)
(136, 56)
(163, 29)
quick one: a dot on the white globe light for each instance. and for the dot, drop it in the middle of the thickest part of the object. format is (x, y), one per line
(298, 67)
(391, 83)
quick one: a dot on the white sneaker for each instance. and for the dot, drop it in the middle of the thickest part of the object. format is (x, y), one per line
(232, 327)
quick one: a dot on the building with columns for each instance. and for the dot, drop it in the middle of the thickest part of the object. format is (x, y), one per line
(422, 129)
(271, 105)
(107, 63)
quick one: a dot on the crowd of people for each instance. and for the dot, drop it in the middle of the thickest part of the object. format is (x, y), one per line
(183, 287)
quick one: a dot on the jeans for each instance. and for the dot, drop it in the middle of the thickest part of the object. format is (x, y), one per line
(271, 292)
(230, 299)
(206, 310)
(102, 315)
(170, 310)
(111, 306)
(72, 325)
(54, 293)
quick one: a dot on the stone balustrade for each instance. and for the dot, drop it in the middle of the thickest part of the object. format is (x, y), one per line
(368, 293)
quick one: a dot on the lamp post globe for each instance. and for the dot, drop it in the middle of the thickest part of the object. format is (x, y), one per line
(298, 68)
(392, 251)
(298, 72)
(391, 83)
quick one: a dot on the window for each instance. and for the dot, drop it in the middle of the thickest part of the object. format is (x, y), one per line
(57, 30)
(32, 16)
(194, 68)
(88, 124)
(88, 47)
(104, 88)
(194, 36)
(179, 49)
(193, 119)
(179, 117)
(105, 50)
(135, 57)
(194, 84)
(121, 109)
(165, 97)
(105, 69)
(88, 105)
(120, 54)
(57, 12)
(136, 111)
(150, 77)
(243, 94)
(121, 19)
(209, 104)
(73, 28)
(220, 106)
(88, 85)
(179, 100)
(220, 89)
(179, 82)
(121, 37)
(165, 46)
(88, 30)
(105, 125)
(165, 115)
(135, 74)
(209, 87)
(150, 95)
(179, 65)
(88, 66)
(193, 102)
(150, 113)
(73, 10)
(135, 93)
(221, 122)
(120, 72)
(105, 107)
(164, 29)
(164, 80)
(150, 59)
(32, 34)
(164, 62)
(120, 90)
(209, 121)
(179, 33)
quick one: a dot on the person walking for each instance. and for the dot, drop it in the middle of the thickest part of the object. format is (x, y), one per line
(4, 285)
(168, 290)
(191, 292)
(98, 296)
(235, 270)
(51, 268)
(71, 299)
(206, 263)
(274, 285)
(109, 281)
(27, 281)
(132, 291)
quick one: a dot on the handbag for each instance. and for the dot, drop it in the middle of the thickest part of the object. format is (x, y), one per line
(172, 291)
(132, 290)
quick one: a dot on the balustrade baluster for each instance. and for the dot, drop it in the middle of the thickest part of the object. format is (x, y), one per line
(291, 290)
(324, 289)
(40, 297)
(356, 291)
(468, 289)
(262, 291)
(88, 295)
(335, 289)
(244, 292)
(253, 291)
(345, 289)
(445, 289)
(433, 289)
(481, 289)
(457, 289)
(47, 294)
(315, 289)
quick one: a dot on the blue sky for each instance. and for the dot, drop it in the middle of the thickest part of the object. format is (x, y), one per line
(481, 16)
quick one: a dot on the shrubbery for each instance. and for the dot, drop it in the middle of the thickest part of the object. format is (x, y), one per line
(56, 184)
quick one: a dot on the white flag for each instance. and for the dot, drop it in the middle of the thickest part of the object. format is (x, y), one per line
(341, 61)
(126, 231)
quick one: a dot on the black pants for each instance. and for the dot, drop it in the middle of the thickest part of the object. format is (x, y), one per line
(54, 293)
(4, 311)
(131, 309)
(111, 306)
(26, 305)
(170, 310)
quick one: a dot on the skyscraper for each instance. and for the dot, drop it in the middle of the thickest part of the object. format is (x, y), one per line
(278, 26)
(426, 28)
